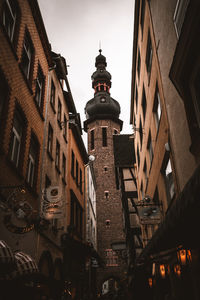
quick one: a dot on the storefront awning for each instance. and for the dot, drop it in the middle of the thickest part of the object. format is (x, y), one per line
(181, 222)
(6, 254)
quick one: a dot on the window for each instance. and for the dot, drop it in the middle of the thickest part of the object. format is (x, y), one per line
(32, 161)
(52, 95)
(115, 131)
(81, 181)
(142, 15)
(16, 139)
(77, 168)
(76, 219)
(138, 156)
(106, 193)
(92, 139)
(111, 258)
(156, 197)
(136, 98)
(57, 155)
(59, 111)
(65, 127)
(157, 108)
(149, 54)
(142, 190)
(27, 56)
(4, 93)
(138, 64)
(63, 166)
(107, 223)
(9, 18)
(144, 104)
(50, 140)
(47, 182)
(72, 164)
(168, 176)
(104, 137)
(150, 148)
(179, 15)
(39, 88)
(145, 172)
(141, 133)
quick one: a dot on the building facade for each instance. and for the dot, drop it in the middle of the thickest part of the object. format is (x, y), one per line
(43, 252)
(24, 65)
(102, 113)
(163, 81)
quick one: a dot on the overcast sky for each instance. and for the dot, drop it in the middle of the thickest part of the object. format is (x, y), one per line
(75, 28)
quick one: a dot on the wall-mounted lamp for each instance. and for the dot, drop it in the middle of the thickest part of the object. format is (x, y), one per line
(177, 270)
(162, 270)
(184, 256)
(91, 158)
(150, 282)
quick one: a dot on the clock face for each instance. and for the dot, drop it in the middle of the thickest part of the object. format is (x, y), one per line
(103, 100)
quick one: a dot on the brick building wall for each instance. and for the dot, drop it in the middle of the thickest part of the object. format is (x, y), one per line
(22, 98)
(108, 201)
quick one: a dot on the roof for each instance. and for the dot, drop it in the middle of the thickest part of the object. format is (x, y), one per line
(41, 29)
(124, 154)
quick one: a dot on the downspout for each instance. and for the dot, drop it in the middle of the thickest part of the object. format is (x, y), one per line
(43, 153)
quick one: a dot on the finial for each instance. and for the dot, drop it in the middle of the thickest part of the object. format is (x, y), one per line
(100, 47)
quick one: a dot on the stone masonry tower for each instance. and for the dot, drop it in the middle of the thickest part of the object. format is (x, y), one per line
(102, 113)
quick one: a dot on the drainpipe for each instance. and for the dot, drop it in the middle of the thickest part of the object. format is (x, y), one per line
(43, 151)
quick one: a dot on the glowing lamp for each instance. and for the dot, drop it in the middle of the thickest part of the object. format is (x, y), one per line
(184, 256)
(150, 281)
(162, 271)
(177, 270)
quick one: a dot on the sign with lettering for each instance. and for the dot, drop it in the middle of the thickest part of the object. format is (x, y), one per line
(52, 203)
(9, 223)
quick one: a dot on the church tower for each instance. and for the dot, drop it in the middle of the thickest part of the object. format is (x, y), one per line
(102, 122)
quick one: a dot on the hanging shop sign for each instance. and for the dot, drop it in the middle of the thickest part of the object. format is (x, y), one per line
(14, 228)
(52, 203)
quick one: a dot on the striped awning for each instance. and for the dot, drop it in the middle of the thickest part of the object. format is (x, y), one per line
(6, 254)
(25, 265)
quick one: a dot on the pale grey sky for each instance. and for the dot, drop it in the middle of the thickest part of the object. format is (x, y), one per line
(74, 29)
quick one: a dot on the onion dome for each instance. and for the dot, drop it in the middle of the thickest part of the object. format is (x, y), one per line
(102, 103)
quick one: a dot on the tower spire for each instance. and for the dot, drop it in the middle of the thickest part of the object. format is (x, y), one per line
(100, 50)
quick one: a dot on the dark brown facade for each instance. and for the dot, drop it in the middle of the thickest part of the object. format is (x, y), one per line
(164, 50)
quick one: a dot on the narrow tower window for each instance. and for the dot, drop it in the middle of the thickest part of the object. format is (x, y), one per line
(92, 139)
(104, 137)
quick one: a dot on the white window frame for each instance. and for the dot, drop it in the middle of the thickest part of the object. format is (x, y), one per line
(31, 169)
(179, 15)
(27, 52)
(57, 161)
(17, 136)
(39, 87)
(157, 109)
(10, 29)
